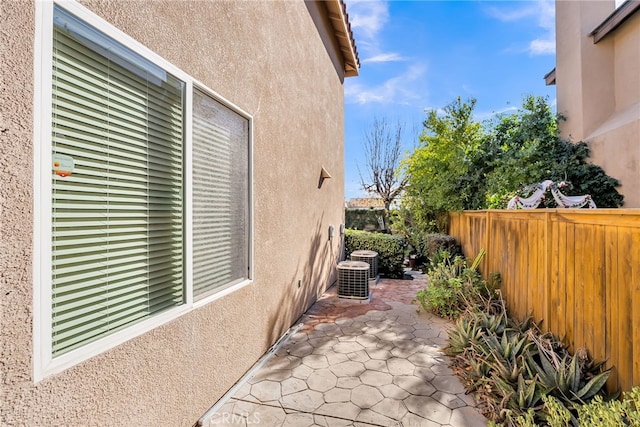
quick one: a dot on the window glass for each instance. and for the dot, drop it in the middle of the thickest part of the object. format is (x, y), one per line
(117, 184)
(220, 196)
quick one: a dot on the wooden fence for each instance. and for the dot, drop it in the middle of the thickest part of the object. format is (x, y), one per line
(577, 270)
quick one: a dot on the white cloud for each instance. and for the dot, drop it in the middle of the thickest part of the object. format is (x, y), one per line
(385, 57)
(396, 90)
(542, 47)
(543, 11)
(368, 18)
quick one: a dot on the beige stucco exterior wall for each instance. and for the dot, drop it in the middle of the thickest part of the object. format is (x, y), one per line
(268, 58)
(598, 89)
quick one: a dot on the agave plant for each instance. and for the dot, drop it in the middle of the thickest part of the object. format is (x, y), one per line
(572, 379)
(493, 323)
(477, 367)
(519, 374)
(514, 344)
(520, 397)
(525, 325)
(463, 335)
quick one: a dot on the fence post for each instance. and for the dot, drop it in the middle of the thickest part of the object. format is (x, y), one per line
(487, 239)
(547, 270)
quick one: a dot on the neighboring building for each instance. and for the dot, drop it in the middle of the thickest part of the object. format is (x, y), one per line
(598, 84)
(365, 213)
(162, 224)
(370, 203)
(365, 203)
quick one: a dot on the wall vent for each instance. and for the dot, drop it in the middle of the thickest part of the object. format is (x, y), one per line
(353, 280)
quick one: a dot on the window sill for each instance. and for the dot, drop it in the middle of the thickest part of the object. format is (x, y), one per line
(614, 20)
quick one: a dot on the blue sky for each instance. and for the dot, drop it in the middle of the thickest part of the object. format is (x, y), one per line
(422, 55)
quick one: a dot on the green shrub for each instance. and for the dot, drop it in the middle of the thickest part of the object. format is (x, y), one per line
(453, 286)
(362, 219)
(390, 250)
(523, 377)
(433, 243)
(427, 246)
(599, 413)
(520, 376)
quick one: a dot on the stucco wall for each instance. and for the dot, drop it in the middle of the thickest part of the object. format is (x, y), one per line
(269, 59)
(598, 89)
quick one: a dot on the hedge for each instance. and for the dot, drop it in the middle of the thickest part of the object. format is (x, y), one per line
(363, 219)
(390, 250)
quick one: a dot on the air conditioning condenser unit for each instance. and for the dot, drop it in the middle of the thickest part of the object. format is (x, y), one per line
(353, 280)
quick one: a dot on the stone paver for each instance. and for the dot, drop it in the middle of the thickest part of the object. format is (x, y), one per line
(375, 378)
(322, 380)
(366, 396)
(358, 364)
(348, 369)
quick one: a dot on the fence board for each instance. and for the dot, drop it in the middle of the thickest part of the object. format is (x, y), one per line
(611, 285)
(625, 307)
(577, 270)
(635, 309)
(570, 286)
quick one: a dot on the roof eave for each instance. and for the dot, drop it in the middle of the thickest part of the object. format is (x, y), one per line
(339, 18)
(550, 77)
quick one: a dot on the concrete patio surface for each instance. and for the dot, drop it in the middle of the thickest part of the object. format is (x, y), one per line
(376, 363)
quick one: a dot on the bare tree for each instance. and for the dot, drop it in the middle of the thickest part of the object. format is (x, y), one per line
(383, 152)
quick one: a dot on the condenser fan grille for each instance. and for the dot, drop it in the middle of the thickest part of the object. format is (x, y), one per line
(353, 279)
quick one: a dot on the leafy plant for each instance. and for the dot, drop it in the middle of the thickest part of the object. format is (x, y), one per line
(432, 246)
(555, 413)
(453, 286)
(625, 412)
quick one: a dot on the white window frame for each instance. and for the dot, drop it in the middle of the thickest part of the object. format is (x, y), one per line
(44, 364)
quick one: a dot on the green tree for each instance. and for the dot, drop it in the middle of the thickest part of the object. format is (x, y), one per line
(463, 164)
(526, 149)
(443, 171)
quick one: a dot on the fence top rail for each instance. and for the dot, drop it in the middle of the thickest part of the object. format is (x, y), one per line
(613, 217)
(598, 211)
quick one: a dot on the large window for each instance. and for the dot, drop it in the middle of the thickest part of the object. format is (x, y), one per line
(148, 191)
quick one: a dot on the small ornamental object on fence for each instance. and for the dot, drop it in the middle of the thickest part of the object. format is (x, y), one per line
(540, 189)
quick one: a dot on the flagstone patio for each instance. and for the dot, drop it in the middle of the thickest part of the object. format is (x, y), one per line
(377, 363)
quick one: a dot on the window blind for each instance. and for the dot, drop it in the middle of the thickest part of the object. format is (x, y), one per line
(220, 196)
(117, 220)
